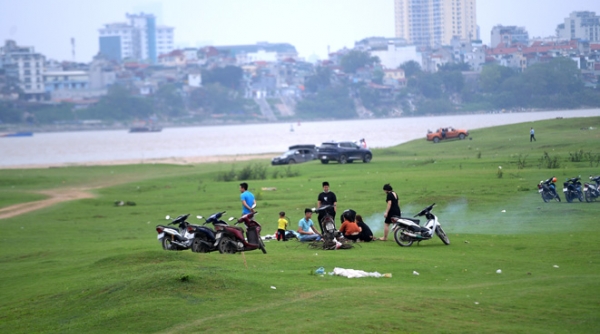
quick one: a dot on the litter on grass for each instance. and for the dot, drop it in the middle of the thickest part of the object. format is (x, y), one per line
(352, 273)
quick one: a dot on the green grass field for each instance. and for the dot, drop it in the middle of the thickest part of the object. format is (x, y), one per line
(88, 266)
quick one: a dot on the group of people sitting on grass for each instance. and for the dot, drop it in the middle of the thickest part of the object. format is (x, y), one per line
(353, 228)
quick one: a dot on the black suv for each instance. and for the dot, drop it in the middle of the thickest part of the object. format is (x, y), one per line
(296, 154)
(343, 152)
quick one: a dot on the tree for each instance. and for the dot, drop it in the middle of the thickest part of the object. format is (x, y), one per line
(318, 81)
(356, 59)
(411, 68)
(228, 76)
(216, 99)
(492, 76)
(168, 101)
(333, 102)
(452, 80)
(427, 84)
(119, 104)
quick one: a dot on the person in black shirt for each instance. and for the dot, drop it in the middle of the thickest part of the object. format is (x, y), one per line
(392, 209)
(326, 198)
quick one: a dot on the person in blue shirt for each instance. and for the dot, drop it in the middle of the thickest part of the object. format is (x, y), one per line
(248, 201)
(306, 228)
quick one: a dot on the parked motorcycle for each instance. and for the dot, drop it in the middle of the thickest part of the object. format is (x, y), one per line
(572, 189)
(407, 230)
(231, 238)
(592, 191)
(547, 189)
(205, 239)
(330, 232)
(176, 239)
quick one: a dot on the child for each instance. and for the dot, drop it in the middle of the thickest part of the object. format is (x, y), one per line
(281, 226)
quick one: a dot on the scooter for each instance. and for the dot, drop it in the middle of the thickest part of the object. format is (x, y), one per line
(548, 190)
(176, 239)
(407, 230)
(231, 238)
(205, 239)
(572, 189)
(592, 191)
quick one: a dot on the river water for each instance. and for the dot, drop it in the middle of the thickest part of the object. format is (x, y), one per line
(89, 147)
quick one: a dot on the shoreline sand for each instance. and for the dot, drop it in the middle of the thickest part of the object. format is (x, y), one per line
(168, 161)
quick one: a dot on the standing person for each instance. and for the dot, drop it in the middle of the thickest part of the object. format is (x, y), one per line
(365, 234)
(532, 135)
(392, 209)
(349, 228)
(363, 143)
(281, 226)
(326, 198)
(248, 201)
(306, 228)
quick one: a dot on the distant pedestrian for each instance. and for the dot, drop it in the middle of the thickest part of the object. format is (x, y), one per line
(281, 227)
(532, 135)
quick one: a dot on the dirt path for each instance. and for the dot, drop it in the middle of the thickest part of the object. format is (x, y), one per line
(55, 196)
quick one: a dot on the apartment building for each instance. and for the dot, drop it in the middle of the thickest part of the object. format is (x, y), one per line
(139, 39)
(580, 25)
(26, 66)
(435, 23)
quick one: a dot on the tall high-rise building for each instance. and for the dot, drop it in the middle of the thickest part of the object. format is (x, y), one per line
(435, 22)
(140, 39)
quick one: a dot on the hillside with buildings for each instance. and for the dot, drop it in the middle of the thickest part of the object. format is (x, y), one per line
(436, 64)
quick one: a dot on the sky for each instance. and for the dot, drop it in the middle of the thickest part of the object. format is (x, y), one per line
(312, 26)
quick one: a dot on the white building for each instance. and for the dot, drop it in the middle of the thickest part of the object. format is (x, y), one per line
(25, 65)
(140, 39)
(394, 56)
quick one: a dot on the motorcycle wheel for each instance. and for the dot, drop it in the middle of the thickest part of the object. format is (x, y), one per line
(225, 246)
(545, 197)
(262, 246)
(568, 197)
(198, 246)
(580, 196)
(167, 245)
(588, 196)
(401, 239)
(440, 233)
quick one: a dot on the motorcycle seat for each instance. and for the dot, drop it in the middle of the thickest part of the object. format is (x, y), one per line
(416, 221)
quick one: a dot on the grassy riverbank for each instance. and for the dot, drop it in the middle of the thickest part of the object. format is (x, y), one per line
(90, 266)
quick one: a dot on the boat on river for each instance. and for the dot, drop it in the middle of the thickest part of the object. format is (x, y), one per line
(145, 129)
(17, 134)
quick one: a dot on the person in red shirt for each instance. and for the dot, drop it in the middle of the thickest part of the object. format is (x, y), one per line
(350, 228)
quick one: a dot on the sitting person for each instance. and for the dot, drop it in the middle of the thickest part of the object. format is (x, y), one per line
(306, 228)
(365, 234)
(349, 228)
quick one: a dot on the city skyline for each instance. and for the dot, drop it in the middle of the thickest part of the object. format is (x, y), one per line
(311, 26)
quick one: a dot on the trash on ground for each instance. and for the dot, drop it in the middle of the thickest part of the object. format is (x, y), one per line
(498, 271)
(555, 266)
(274, 288)
(352, 273)
(415, 273)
